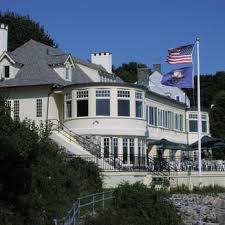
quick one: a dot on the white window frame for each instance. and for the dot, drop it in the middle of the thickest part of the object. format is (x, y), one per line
(4, 69)
(103, 94)
(8, 105)
(82, 95)
(123, 95)
(16, 109)
(68, 72)
(68, 98)
(178, 98)
(194, 117)
(139, 98)
(39, 107)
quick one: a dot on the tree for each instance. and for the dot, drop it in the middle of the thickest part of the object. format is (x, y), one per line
(210, 84)
(22, 29)
(37, 182)
(217, 116)
(128, 71)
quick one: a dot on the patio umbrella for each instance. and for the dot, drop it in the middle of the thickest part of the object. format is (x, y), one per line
(166, 144)
(206, 142)
(219, 145)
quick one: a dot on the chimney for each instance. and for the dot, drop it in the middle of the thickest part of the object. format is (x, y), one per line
(3, 38)
(143, 76)
(104, 59)
(157, 67)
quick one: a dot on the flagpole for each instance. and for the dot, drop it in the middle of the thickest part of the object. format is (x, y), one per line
(199, 112)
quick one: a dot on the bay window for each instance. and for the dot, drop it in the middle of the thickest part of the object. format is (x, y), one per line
(123, 103)
(139, 104)
(82, 103)
(102, 103)
(68, 105)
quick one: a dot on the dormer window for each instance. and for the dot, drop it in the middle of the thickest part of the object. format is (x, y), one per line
(177, 97)
(68, 72)
(6, 71)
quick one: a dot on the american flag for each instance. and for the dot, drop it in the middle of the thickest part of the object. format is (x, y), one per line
(180, 55)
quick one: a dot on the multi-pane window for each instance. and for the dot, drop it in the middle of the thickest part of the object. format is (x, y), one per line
(107, 79)
(204, 126)
(102, 103)
(16, 109)
(123, 94)
(204, 123)
(152, 115)
(160, 117)
(125, 150)
(6, 71)
(139, 104)
(106, 147)
(39, 107)
(115, 147)
(132, 151)
(181, 123)
(146, 113)
(141, 153)
(193, 125)
(177, 97)
(82, 94)
(178, 122)
(165, 119)
(68, 105)
(68, 72)
(193, 122)
(8, 107)
(193, 116)
(123, 103)
(171, 120)
(82, 103)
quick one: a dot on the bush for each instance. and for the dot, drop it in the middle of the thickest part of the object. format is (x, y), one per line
(197, 190)
(137, 204)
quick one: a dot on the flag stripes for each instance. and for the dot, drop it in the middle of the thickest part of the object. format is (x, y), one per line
(180, 55)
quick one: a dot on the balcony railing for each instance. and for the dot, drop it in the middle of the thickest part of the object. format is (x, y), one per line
(190, 164)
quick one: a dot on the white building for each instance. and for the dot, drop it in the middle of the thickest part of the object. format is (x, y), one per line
(93, 104)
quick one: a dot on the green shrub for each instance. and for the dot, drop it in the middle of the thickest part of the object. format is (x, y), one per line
(183, 189)
(137, 204)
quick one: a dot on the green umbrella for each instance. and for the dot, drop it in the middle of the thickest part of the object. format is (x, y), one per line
(206, 142)
(165, 144)
(219, 145)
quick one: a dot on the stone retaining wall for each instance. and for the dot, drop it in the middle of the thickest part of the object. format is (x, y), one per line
(201, 209)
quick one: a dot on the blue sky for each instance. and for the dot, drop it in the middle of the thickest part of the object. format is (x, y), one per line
(132, 30)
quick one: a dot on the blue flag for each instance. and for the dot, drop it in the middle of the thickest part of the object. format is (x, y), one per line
(181, 78)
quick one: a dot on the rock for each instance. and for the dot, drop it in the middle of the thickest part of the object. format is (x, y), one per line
(201, 209)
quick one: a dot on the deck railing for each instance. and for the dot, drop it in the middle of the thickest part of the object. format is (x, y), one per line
(110, 161)
(86, 205)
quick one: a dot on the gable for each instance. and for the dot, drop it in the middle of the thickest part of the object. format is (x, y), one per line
(7, 57)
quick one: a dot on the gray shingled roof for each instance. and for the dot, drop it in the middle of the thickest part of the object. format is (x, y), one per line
(37, 60)
(88, 64)
(34, 74)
